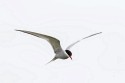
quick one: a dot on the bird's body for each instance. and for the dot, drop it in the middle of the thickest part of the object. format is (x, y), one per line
(55, 43)
(62, 55)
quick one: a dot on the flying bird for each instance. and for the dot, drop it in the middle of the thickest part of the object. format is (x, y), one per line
(55, 43)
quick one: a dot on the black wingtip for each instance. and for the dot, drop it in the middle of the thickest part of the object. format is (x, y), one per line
(97, 33)
(20, 30)
(100, 32)
(17, 30)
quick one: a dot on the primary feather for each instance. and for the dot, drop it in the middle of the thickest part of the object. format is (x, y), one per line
(55, 43)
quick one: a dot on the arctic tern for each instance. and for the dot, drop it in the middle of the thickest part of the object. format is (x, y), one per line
(55, 43)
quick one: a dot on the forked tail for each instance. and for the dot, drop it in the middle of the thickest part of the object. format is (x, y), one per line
(51, 60)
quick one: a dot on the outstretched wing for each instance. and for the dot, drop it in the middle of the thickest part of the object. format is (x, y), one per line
(55, 43)
(68, 48)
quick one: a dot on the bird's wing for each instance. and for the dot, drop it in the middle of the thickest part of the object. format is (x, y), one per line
(68, 48)
(55, 43)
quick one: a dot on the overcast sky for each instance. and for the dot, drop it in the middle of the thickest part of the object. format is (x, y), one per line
(99, 59)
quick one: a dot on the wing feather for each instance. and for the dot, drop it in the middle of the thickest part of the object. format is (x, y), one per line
(55, 43)
(68, 48)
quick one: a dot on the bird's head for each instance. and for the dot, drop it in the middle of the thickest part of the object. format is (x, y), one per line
(69, 53)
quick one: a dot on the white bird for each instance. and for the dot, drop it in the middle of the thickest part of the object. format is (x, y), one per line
(55, 43)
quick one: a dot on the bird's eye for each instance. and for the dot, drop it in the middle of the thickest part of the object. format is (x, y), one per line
(69, 52)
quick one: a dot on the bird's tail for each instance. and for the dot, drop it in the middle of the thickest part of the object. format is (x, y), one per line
(52, 60)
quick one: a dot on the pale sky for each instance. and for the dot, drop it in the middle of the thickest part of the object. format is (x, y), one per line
(99, 59)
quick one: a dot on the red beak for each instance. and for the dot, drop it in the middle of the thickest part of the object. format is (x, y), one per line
(70, 57)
